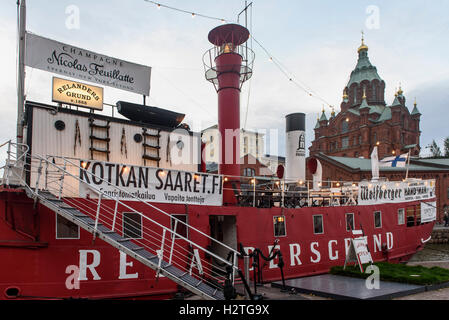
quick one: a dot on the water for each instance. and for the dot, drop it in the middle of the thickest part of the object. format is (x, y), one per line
(432, 252)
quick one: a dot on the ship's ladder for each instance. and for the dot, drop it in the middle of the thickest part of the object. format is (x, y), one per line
(156, 239)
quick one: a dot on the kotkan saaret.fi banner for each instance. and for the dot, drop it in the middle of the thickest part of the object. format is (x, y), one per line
(133, 183)
(64, 59)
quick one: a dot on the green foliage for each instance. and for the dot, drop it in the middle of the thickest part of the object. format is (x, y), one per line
(446, 147)
(418, 275)
(435, 149)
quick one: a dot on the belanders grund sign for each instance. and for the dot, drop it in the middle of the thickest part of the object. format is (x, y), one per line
(64, 59)
(395, 192)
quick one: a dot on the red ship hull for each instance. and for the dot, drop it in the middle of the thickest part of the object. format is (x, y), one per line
(36, 265)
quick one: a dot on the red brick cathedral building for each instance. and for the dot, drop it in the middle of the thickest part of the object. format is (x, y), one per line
(365, 119)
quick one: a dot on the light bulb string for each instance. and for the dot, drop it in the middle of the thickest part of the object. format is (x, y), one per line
(275, 61)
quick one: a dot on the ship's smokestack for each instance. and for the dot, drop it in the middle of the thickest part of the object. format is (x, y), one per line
(227, 66)
(295, 160)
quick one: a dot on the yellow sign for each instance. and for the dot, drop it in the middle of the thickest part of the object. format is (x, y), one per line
(77, 94)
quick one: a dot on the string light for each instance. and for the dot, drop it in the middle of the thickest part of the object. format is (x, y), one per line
(276, 62)
(193, 14)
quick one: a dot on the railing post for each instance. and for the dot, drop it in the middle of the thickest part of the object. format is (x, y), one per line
(115, 212)
(173, 241)
(246, 272)
(97, 215)
(161, 253)
(8, 163)
(235, 262)
(39, 173)
(62, 179)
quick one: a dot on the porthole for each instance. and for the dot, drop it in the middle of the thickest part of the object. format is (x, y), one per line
(59, 125)
(180, 144)
(12, 292)
(138, 138)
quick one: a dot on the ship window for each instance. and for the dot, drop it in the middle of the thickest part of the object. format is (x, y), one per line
(66, 229)
(181, 228)
(418, 215)
(349, 221)
(401, 217)
(318, 224)
(279, 226)
(132, 225)
(377, 219)
(410, 217)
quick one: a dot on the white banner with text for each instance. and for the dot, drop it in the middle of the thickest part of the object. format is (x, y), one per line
(64, 59)
(395, 192)
(133, 183)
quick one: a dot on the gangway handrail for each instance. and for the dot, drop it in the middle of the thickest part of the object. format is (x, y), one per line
(235, 252)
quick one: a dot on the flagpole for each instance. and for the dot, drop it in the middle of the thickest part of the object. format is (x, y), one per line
(21, 73)
(408, 165)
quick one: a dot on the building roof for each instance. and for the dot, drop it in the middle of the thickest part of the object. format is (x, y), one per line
(365, 164)
(364, 70)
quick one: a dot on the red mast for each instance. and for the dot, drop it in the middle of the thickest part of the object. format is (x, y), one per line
(228, 66)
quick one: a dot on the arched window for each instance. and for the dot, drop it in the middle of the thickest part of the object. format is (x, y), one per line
(374, 92)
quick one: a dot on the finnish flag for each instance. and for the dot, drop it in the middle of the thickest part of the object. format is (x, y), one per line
(394, 162)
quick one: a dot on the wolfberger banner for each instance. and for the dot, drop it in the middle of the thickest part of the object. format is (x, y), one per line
(150, 184)
(64, 59)
(395, 192)
(78, 94)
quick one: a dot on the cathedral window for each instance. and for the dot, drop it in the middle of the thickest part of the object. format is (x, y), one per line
(344, 126)
(345, 142)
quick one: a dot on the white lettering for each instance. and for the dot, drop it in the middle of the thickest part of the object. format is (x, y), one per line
(272, 264)
(377, 243)
(123, 265)
(331, 255)
(295, 251)
(389, 240)
(84, 266)
(316, 252)
(347, 245)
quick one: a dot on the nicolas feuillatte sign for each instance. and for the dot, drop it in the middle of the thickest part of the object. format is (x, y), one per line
(77, 94)
(67, 60)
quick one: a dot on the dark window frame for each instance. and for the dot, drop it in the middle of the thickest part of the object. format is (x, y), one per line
(125, 232)
(59, 223)
(315, 225)
(276, 230)
(380, 219)
(353, 221)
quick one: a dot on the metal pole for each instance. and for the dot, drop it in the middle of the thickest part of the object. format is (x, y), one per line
(97, 215)
(254, 192)
(173, 241)
(408, 165)
(115, 213)
(21, 73)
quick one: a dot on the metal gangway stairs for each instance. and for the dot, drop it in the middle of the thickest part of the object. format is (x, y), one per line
(56, 185)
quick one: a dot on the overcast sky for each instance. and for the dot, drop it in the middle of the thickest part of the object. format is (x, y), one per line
(316, 41)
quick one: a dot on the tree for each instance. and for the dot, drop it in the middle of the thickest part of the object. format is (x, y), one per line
(446, 147)
(435, 149)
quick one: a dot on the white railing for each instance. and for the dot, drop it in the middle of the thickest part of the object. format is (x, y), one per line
(156, 230)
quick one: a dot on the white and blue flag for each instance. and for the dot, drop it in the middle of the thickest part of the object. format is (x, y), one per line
(394, 162)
